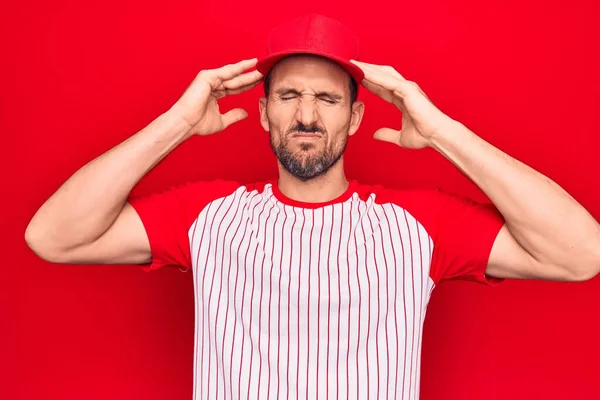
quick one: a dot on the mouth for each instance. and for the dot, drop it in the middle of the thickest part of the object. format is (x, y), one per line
(306, 136)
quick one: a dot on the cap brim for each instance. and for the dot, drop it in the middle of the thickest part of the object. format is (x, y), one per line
(265, 64)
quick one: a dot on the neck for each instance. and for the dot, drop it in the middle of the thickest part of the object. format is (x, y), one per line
(321, 189)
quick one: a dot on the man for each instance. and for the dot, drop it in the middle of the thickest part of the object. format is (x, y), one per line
(311, 285)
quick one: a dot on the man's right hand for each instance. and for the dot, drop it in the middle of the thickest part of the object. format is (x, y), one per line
(88, 219)
(198, 105)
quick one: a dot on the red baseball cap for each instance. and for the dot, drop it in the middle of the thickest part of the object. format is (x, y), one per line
(313, 34)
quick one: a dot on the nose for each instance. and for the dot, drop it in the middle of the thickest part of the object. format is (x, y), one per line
(307, 112)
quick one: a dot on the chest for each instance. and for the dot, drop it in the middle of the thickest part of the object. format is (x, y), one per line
(351, 249)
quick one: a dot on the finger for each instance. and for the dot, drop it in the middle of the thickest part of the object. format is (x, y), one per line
(379, 91)
(230, 71)
(387, 135)
(219, 94)
(387, 95)
(388, 69)
(387, 81)
(242, 80)
(382, 73)
(233, 116)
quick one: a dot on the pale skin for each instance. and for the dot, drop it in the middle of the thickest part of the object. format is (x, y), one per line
(547, 235)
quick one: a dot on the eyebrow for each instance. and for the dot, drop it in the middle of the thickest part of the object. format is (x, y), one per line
(286, 90)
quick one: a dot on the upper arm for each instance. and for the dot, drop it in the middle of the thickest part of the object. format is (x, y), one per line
(508, 259)
(125, 242)
(151, 230)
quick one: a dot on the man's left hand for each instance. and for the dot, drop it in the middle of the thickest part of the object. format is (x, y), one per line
(421, 119)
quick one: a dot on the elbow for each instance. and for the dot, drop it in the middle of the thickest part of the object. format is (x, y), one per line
(38, 243)
(583, 276)
(593, 268)
(581, 267)
(586, 271)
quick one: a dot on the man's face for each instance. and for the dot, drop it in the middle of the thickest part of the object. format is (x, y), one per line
(309, 114)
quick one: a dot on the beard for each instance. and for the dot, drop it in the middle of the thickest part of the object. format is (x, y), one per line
(302, 164)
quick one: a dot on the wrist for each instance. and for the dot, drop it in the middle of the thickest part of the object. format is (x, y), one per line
(168, 129)
(175, 119)
(447, 131)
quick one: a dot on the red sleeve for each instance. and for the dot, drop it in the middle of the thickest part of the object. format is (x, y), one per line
(463, 232)
(168, 216)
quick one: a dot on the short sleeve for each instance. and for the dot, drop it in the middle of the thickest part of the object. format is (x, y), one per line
(463, 232)
(464, 237)
(168, 216)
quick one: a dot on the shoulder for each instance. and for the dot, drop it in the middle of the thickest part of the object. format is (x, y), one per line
(414, 200)
(425, 205)
(438, 210)
(209, 190)
(188, 198)
(411, 197)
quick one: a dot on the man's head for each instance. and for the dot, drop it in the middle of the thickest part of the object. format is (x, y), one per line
(309, 109)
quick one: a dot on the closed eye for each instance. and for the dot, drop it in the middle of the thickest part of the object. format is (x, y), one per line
(328, 101)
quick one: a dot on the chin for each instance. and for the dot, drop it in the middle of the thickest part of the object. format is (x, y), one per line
(307, 147)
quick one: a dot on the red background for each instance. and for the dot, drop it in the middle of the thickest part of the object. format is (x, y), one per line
(77, 79)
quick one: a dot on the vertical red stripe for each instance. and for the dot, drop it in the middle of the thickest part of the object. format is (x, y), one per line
(396, 312)
(350, 230)
(194, 275)
(420, 309)
(217, 236)
(368, 305)
(289, 306)
(269, 309)
(222, 264)
(239, 222)
(250, 323)
(339, 310)
(421, 305)
(260, 307)
(200, 303)
(203, 279)
(385, 214)
(319, 300)
(359, 307)
(299, 286)
(387, 307)
(243, 301)
(235, 317)
(279, 299)
(412, 269)
(252, 301)
(378, 300)
(312, 226)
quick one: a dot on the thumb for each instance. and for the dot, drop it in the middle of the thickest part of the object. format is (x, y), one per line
(233, 116)
(387, 135)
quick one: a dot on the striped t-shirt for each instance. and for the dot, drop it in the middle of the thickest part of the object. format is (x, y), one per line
(313, 300)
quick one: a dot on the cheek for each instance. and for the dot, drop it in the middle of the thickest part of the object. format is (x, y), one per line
(336, 122)
(281, 116)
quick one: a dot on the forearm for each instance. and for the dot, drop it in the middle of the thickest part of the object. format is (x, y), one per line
(87, 204)
(544, 219)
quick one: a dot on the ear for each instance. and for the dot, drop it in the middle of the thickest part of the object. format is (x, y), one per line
(264, 121)
(358, 110)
